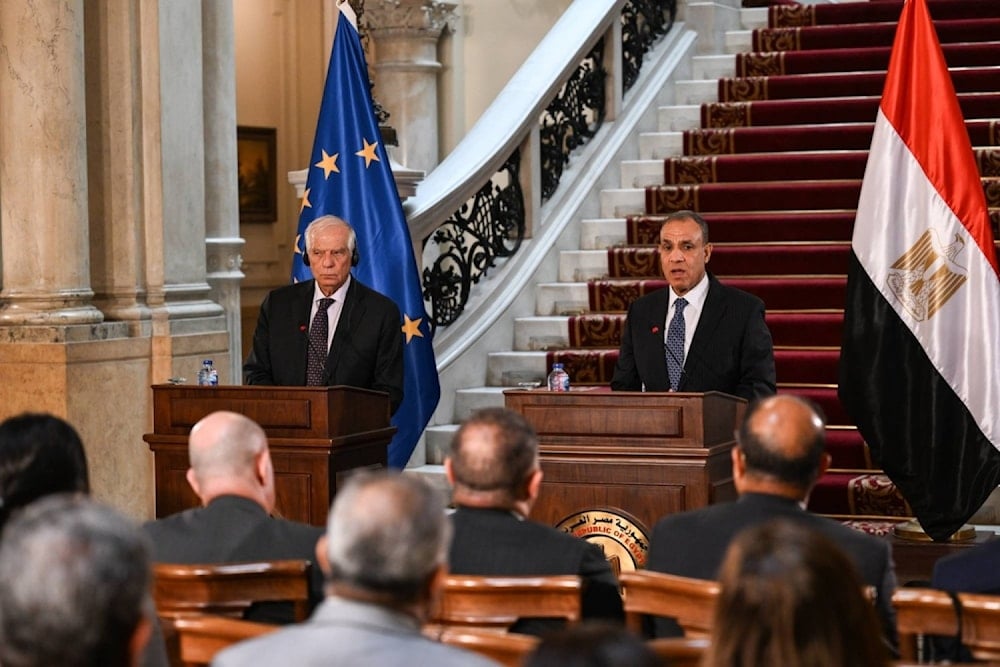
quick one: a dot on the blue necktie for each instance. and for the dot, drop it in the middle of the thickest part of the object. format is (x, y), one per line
(317, 352)
(675, 344)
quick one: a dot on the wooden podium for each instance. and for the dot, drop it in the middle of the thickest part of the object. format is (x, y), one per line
(649, 454)
(315, 434)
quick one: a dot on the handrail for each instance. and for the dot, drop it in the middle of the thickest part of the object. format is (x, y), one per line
(512, 116)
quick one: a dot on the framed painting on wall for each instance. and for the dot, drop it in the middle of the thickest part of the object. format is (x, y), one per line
(256, 158)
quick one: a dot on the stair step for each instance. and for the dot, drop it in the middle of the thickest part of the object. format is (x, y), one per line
(802, 293)
(788, 329)
(772, 226)
(561, 298)
(640, 173)
(728, 259)
(620, 202)
(696, 91)
(713, 66)
(602, 233)
(678, 117)
(660, 145)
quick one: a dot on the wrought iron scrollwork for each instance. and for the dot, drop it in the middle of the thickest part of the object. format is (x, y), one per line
(488, 227)
(643, 22)
(572, 118)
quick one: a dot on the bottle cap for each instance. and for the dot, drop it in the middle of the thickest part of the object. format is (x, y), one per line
(556, 365)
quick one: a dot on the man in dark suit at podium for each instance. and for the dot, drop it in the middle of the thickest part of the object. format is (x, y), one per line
(331, 330)
(494, 471)
(697, 334)
(232, 475)
(778, 459)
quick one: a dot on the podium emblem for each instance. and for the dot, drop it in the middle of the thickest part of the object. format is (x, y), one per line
(620, 535)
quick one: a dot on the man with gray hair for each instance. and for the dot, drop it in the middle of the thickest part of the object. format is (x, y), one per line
(74, 586)
(330, 330)
(385, 556)
(232, 474)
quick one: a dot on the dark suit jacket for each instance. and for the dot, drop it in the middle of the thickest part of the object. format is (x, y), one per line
(495, 541)
(693, 544)
(975, 570)
(232, 529)
(367, 347)
(731, 350)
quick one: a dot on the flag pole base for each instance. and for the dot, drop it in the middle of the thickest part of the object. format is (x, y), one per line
(911, 530)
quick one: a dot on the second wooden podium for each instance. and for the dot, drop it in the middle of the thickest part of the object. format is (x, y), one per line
(315, 435)
(649, 454)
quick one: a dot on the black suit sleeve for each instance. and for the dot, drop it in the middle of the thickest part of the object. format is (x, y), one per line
(757, 377)
(626, 377)
(601, 598)
(389, 358)
(257, 368)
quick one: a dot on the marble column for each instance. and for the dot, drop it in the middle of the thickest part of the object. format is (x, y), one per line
(406, 34)
(222, 225)
(43, 170)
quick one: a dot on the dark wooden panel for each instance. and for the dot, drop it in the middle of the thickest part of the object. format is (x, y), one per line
(316, 434)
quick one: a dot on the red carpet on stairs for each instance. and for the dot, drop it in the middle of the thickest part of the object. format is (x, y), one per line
(778, 181)
(820, 111)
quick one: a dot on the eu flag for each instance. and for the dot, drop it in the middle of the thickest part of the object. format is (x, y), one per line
(350, 177)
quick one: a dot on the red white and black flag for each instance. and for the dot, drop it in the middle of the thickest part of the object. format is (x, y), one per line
(920, 364)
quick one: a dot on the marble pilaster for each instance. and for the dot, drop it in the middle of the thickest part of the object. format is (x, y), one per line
(43, 173)
(222, 228)
(406, 34)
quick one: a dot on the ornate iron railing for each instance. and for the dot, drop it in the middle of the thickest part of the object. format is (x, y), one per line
(492, 224)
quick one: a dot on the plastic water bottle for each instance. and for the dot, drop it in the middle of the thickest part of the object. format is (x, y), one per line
(558, 378)
(207, 375)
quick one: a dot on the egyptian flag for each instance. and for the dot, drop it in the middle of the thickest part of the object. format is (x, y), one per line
(920, 364)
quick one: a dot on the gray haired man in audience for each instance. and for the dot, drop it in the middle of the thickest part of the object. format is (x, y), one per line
(385, 555)
(74, 586)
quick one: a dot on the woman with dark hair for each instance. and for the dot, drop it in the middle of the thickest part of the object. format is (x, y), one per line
(39, 455)
(790, 597)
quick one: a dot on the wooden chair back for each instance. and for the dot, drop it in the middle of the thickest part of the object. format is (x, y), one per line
(499, 601)
(201, 636)
(981, 625)
(690, 601)
(680, 651)
(506, 648)
(922, 611)
(229, 589)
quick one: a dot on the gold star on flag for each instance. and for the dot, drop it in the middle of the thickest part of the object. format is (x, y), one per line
(305, 201)
(411, 327)
(368, 153)
(328, 164)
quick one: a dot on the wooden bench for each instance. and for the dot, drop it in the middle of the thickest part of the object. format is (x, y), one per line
(499, 601)
(201, 636)
(690, 601)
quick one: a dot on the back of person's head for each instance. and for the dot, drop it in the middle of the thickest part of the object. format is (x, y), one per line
(40, 454)
(789, 596)
(74, 582)
(494, 452)
(782, 439)
(592, 644)
(228, 451)
(387, 535)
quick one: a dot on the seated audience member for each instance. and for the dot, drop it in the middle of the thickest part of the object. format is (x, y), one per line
(74, 586)
(790, 597)
(777, 460)
(42, 455)
(592, 644)
(231, 473)
(39, 455)
(975, 570)
(385, 557)
(495, 476)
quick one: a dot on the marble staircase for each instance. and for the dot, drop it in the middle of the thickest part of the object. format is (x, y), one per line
(525, 360)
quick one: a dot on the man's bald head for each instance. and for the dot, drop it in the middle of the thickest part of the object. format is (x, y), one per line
(494, 454)
(228, 454)
(782, 440)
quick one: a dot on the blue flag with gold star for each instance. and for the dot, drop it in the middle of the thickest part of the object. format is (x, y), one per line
(349, 176)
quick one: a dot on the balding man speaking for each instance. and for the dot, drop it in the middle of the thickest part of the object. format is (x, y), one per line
(779, 456)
